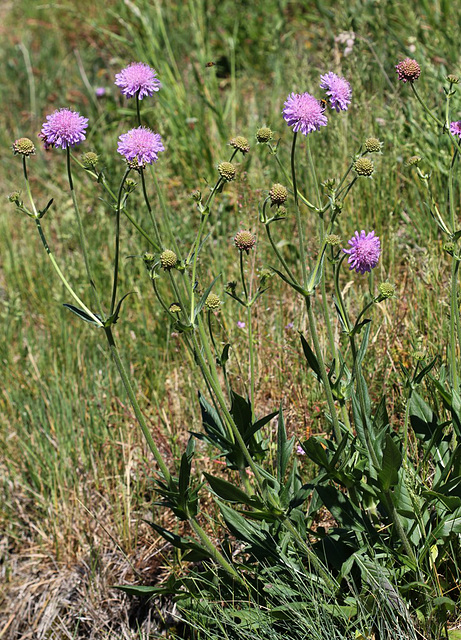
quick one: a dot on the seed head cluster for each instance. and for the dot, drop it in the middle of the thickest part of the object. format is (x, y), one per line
(244, 240)
(23, 147)
(213, 303)
(168, 259)
(278, 194)
(264, 135)
(408, 70)
(364, 167)
(90, 160)
(386, 290)
(373, 145)
(240, 143)
(227, 171)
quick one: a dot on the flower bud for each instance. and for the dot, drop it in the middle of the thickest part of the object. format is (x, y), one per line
(453, 79)
(15, 198)
(24, 147)
(196, 195)
(90, 160)
(227, 171)
(364, 167)
(373, 145)
(175, 307)
(278, 194)
(386, 290)
(240, 143)
(449, 247)
(333, 240)
(213, 303)
(231, 287)
(408, 70)
(414, 160)
(168, 259)
(264, 277)
(130, 185)
(245, 240)
(264, 135)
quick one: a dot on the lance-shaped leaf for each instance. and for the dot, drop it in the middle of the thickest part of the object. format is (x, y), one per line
(82, 314)
(388, 476)
(204, 297)
(284, 448)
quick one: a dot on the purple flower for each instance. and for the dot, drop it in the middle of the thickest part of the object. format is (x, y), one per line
(300, 451)
(304, 113)
(100, 92)
(408, 70)
(338, 91)
(455, 128)
(240, 324)
(63, 128)
(138, 77)
(140, 146)
(364, 252)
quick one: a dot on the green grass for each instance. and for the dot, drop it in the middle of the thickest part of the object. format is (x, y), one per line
(64, 436)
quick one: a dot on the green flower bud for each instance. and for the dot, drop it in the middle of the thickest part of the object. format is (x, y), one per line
(240, 143)
(453, 79)
(373, 145)
(364, 167)
(264, 135)
(245, 240)
(332, 239)
(15, 198)
(90, 160)
(227, 171)
(130, 185)
(449, 247)
(168, 259)
(175, 307)
(213, 303)
(414, 160)
(24, 147)
(196, 195)
(264, 277)
(278, 194)
(386, 290)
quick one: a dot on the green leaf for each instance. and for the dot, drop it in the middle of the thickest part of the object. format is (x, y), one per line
(423, 419)
(82, 314)
(241, 412)
(450, 524)
(311, 357)
(228, 491)
(363, 346)
(292, 284)
(202, 300)
(259, 424)
(139, 590)
(388, 475)
(316, 452)
(114, 317)
(284, 447)
(184, 469)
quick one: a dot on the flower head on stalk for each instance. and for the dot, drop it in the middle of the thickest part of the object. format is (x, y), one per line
(408, 70)
(63, 128)
(455, 128)
(140, 146)
(304, 113)
(138, 78)
(364, 252)
(338, 90)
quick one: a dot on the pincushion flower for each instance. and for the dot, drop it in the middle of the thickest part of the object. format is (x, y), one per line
(408, 70)
(455, 128)
(63, 128)
(338, 90)
(140, 146)
(304, 113)
(364, 252)
(138, 78)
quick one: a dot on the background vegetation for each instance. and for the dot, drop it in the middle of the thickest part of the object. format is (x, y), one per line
(74, 471)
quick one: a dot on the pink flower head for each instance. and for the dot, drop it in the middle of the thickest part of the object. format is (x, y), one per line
(364, 252)
(63, 128)
(140, 146)
(408, 70)
(138, 78)
(338, 91)
(455, 128)
(304, 113)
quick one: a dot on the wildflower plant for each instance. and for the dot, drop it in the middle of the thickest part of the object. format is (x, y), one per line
(368, 474)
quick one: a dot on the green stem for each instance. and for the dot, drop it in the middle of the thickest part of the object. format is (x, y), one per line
(287, 177)
(134, 403)
(214, 553)
(425, 107)
(117, 242)
(149, 208)
(196, 247)
(298, 213)
(82, 237)
(454, 324)
(279, 255)
(138, 109)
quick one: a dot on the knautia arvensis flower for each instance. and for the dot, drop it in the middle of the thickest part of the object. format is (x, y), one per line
(244, 240)
(338, 90)
(373, 145)
(455, 128)
(364, 252)
(63, 128)
(240, 143)
(213, 303)
(364, 167)
(138, 78)
(264, 135)
(304, 113)
(227, 171)
(408, 70)
(90, 160)
(386, 290)
(140, 146)
(23, 147)
(168, 259)
(278, 194)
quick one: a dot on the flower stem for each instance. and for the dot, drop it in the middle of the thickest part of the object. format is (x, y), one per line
(298, 213)
(149, 208)
(117, 242)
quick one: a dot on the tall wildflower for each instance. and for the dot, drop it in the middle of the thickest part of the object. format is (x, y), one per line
(364, 252)
(140, 146)
(304, 113)
(338, 90)
(138, 78)
(63, 128)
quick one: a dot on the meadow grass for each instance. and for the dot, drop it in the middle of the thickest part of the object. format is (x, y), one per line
(68, 436)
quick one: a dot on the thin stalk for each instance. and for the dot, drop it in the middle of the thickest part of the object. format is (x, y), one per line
(425, 107)
(134, 403)
(117, 242)
(149, 208)
(298, 213)
(287, 177)
(214, 553)
(82, 237)
(279, 255)
(250, 337)
(138, 109)
(454, 323)
(196, 247)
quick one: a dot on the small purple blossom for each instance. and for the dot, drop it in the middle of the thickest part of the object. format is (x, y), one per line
(364, 252)
(455, 128)
(304, 113)
(63, 128)
(290, 325)
(140, 146)
(100, 92)
(408, 70)
(300, 451)
(138, 78)
(338, 90)
(240, 324)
